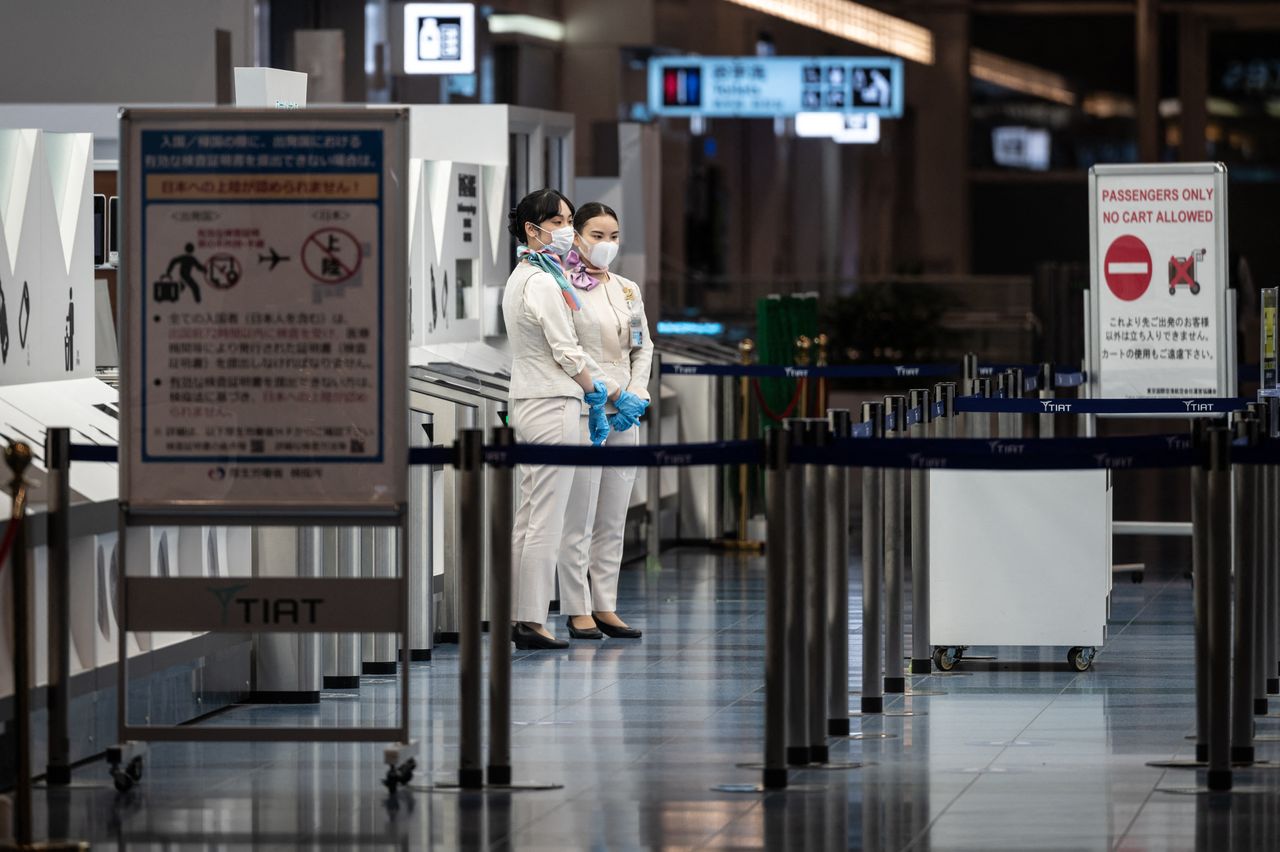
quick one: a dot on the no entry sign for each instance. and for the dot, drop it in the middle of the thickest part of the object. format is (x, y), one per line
(1160, 318)
(1128, 267)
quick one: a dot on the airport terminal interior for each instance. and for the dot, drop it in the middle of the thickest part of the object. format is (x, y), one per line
(640, 424)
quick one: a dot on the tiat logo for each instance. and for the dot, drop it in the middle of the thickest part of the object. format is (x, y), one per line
(919, 460)
(664, 458)
(1177, 442)
(1000, 448)
(1056, 407)
(907, 371)
(795, 372)
(1192, 405)
(684, 369)
(1113, 462)
(225, 595)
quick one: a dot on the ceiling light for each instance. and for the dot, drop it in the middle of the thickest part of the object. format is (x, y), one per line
(853, 22)
(1020, 77)
(543, 28)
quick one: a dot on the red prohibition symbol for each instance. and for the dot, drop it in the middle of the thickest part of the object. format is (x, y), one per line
(1127, 268)
(331, 255)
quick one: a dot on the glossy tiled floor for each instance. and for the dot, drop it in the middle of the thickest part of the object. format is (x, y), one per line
(1012, 755)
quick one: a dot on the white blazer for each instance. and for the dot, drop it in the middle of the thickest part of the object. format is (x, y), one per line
(545, 354)
(604, 331)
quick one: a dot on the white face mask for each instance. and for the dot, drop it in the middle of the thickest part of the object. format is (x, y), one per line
(601, 254)
(561, 239)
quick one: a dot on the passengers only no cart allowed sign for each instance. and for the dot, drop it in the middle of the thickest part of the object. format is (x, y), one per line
(266, 315)
(1159, 259)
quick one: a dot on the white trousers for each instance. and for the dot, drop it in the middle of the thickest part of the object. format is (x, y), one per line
(593, 531)
(543, 498)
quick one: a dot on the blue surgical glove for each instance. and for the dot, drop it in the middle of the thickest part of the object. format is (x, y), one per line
(621, 422)
(597, 424)
(631, 405)
(598, 396)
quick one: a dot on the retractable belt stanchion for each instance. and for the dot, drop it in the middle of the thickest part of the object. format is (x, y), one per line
(817, 518)
(18, 458)
(970, 374)
(797, 603)
(872, 571)
(1261, 565)
(777, 551)
(57, 454)
(837, 616)
(920, 648)
(895, 551)
(470, 461)
(1219, 616)
(1244, 478)
(1270, 527)
(1047, 390)
(653, 476)
(1200, 588)
(979, 425)
(501, 496)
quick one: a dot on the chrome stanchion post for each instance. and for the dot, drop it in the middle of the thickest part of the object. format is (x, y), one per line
(653, 477)
(1242, 750)
(470, 463)
(1270, 527)
(837, 480)
(501, 498)
(920, 648)
(797, 603)
(18, 458)
(775, 660)
(57, 454)
(1047, 390)
(979, 424)
(895, 551)
(815, 534)
(1261, 560)
(872, 571)
(944, 395)
(1200, 587)
(970, 373)
(1219, 600)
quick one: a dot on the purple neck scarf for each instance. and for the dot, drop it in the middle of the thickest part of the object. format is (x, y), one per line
(580, 272)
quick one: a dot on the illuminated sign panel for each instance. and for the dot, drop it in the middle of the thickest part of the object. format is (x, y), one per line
(439, 38)
(773, 86)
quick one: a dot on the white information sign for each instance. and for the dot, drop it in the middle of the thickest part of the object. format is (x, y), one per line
(264, 295)
(439, 38)
(1160, 320)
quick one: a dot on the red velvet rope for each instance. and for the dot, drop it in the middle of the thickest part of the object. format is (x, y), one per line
(770, 413)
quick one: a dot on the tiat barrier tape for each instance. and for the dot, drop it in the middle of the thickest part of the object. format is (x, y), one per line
(94, 453)
(1061, 378)
(664, 455)
(1188, 407)
(432, 456)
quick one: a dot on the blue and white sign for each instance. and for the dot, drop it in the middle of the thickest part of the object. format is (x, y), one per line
(773, 86)
(263, 291)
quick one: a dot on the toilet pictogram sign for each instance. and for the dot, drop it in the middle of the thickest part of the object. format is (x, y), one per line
(1127, 267)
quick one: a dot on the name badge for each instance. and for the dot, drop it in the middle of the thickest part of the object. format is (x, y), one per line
(637, 331)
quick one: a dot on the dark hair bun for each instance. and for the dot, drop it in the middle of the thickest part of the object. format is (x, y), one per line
(513, 227)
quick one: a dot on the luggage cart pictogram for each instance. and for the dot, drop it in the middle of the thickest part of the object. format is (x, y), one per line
(1182, 272)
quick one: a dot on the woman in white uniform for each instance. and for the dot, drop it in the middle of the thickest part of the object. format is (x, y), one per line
(555, 386)
(612, 328)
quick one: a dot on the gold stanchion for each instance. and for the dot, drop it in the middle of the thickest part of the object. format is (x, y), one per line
(802, 347)
(745, 355)
(821, 341)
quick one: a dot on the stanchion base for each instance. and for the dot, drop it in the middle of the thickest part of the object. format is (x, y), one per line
(499, 776)
(895, 685)
(873, 705)
(921, 667)
(341, 681)
(471, 779)
(1273, 685)
(1260, 707)
(57, 776)
(829, 765)
(819, 754)
(419, 655)
(767, 788)
(838, 727)
(775, 779)
(797, 755)
(1202, 752)
(378, 668)
(454, 787)
(1242, 754)
(1210, 791)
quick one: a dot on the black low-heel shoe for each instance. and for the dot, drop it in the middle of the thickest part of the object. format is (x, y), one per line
(528, 639)
(615, 632)
(577, 633)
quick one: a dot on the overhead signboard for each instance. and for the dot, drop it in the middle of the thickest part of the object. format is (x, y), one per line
(1161, 318)
(439, 38)
(773, 86)
(852, 128)
(263, 301)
